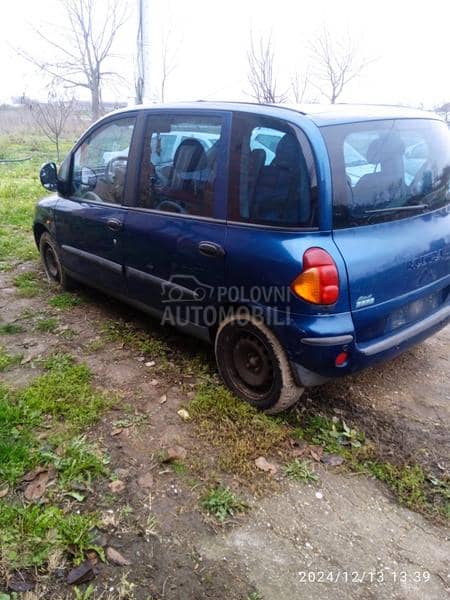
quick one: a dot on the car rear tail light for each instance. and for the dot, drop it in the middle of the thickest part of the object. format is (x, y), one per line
(318, 283)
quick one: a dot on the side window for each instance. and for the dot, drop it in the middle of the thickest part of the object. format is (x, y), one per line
(272, 174)
(179, 164)
(100, 163)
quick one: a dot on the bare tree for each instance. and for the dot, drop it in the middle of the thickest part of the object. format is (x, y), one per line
(261, 75)
(84, 48)
(444, 110)
(299, 86)
(168, 64)
(336, 63)
(51, 116)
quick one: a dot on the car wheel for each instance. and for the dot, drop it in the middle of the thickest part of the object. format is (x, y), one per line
(253, 364)
(51, 260)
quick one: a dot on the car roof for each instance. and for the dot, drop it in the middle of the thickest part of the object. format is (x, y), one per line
(321, 114)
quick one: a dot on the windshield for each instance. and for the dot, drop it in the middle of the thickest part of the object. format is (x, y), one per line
(387, 170)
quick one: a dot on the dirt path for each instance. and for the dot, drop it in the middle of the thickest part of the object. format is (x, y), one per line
(344, 523)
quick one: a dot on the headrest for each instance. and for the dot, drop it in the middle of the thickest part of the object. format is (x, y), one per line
(287, 154)
(191, 154)
(386, 147)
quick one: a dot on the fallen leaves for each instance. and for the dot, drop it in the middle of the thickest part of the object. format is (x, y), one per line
(81, 574)
(174, 453)
(117, 486)
(333, 460)
(4, 491)
(266, 466)
(38, 479)
(183, 414)
(116, 558)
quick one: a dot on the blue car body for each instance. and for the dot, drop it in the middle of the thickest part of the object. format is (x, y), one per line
(394, 275)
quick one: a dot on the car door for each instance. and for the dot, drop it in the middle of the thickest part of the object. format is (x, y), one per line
(392, 223)
(89, 221)
(174, 235)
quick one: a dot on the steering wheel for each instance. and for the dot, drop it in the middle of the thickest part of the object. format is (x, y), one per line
(90, 195)
(110, 168)
(171, 206)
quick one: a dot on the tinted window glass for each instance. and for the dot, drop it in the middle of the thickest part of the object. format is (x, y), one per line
(388, 170)
(100, 163)
(179, 164)
(272, 177)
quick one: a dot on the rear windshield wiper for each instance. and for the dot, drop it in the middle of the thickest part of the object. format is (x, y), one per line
(396, 209)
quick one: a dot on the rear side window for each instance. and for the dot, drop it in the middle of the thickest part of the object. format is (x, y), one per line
(388, 170)
(179, 165)
(272, 174)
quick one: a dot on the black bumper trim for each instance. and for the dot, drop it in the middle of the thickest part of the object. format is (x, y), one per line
(336, 340)
(402, 336)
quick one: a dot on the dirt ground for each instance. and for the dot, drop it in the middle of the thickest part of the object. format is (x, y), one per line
(294, 536)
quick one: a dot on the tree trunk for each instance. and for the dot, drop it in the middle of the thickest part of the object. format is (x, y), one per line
(95, 102)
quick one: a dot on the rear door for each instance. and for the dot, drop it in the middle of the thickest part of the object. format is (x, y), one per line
(175, 232)
(392, 219)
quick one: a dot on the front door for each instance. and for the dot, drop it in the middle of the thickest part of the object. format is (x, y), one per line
(89, 223)
(174, 236)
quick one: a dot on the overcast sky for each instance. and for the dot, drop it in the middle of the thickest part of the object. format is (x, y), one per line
(208, 42)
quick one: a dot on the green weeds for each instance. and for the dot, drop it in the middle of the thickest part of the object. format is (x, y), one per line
(10, 328)
(28, 284)
(65, 301)
(222, 503)
(47, 325)
(8, 360)
(238, 431)
(300, 470)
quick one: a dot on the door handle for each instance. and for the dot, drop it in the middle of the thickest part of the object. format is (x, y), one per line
(114, 224)
(211, 249)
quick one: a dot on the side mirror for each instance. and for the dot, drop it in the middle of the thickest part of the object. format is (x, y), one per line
(49, 176)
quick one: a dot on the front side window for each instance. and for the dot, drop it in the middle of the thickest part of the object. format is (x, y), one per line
(179, 165)
(388, 170)
(100, 163)
(272, 177)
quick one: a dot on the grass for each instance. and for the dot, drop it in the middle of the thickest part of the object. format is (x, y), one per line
(300, 470)
(65, 301)
(28, 284)
(8, 360)
(332, 434)
(19, 191)
(47, 325)
(238, 431)
(10, 328)
(80, 462)
(30, 534)
(143, 342)
(222, 503)
(409, 482)
(66, 393)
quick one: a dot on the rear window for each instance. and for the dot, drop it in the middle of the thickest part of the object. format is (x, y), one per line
(388, 170)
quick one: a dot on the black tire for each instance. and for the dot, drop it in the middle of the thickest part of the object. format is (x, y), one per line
(253, 364)
(51, 261)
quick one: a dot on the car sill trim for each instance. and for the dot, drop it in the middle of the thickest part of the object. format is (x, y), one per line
(93, 258)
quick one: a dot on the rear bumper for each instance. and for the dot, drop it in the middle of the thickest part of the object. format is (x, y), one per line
(313, 349)
(437, 319)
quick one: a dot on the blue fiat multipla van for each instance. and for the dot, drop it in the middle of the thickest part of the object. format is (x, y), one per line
(305, 243)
